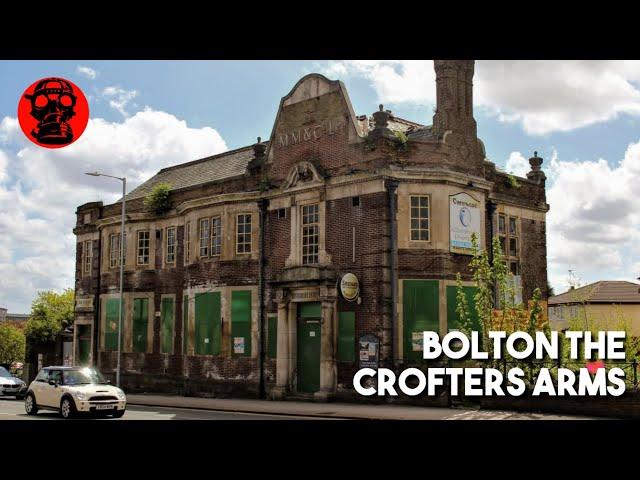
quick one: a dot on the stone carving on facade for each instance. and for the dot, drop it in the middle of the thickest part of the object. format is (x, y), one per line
(302, 172)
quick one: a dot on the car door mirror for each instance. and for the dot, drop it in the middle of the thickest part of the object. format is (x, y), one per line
(53, 383)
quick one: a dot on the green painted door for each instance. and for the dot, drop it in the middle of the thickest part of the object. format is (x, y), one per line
(207, 320)
(140, 324)
(420, 302)
(166, 338)
(309, 347)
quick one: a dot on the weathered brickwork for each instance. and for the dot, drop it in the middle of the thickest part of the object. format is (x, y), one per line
(319, 156)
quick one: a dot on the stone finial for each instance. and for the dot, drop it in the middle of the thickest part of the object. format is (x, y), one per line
(259, 149)
(536, 172)
(258, 160)
(381, 123)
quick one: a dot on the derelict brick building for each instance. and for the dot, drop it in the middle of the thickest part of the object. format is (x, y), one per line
(237, 288)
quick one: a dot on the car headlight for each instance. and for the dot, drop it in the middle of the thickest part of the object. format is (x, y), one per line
(121, 395)
(80, 395)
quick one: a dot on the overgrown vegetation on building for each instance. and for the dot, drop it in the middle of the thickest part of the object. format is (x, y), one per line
(159, 199)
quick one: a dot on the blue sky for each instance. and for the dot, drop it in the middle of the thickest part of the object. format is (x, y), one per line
(582, 117)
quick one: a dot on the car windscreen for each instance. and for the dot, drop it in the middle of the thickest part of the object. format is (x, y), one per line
(4, 373)
(82, 377)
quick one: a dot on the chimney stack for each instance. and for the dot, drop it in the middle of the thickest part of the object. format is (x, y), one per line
(454, 97)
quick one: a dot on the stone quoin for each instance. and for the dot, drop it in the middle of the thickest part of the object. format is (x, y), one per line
(236, 289)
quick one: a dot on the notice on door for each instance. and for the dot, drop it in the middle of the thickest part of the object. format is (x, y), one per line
(238, 345)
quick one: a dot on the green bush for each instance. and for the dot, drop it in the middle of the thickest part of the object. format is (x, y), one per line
(158, 200)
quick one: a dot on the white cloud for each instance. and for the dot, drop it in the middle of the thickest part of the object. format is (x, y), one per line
(87, 72)
(517, 165)
(119, 98)
(41, 188)
(542, 96)
(593, 226)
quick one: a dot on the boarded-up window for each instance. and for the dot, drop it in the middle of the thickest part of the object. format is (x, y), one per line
(241, 323)
(111, 324)
(272, 337)
(420, 313)
(347, 337)
(140, 324)
(185, 324)
(166, 338)
(453, 319)
(207, 320)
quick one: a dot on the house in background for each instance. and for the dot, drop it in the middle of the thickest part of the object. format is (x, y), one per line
(604, 302)
(18, 319)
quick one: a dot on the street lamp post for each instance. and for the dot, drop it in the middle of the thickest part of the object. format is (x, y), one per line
(121, 306)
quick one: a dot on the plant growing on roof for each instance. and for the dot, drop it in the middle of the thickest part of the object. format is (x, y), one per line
(401, 139)
(512, 181)
(158, 200)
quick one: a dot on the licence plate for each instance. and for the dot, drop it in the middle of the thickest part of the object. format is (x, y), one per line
(104, 407)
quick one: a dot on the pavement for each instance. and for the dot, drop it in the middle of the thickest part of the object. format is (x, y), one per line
(170, 407)
(336, 410)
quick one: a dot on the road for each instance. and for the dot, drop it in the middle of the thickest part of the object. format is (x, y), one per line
(11, 409)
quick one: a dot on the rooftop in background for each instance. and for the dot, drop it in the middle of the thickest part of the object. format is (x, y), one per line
(12, 317)
(604, 291)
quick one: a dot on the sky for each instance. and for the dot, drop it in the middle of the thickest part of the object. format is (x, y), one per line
(582, 117)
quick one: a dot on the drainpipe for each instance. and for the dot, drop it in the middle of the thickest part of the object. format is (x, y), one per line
(491, 208)
(96, 307)
(392, 186)
(263, 203)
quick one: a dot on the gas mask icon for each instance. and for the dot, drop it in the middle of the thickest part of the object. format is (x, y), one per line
(53, 105)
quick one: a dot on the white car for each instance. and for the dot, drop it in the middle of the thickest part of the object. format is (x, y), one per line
(73, 390)
(11, 385)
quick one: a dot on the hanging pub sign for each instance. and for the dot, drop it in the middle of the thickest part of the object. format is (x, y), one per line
(349, 287)
(464, 221)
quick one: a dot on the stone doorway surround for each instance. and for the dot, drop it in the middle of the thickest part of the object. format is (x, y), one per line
(287, 297)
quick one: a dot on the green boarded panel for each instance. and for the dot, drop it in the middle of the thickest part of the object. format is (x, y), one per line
(453, 322)
(347, 337)
(140, 324)
(272, 337)
(207, 320)
(166, 338)
(111, 324)
(185, 324)
(309, 310)
(83, 351)
(420, 313)
(241, 323)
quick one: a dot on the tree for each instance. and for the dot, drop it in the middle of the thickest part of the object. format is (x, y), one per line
(50, 313)
(12, 344)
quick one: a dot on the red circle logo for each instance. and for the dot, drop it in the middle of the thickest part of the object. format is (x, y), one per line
(53, 112)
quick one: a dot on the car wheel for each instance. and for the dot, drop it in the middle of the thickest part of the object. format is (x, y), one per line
(67, 408)
(30, 405)
(118, 414)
